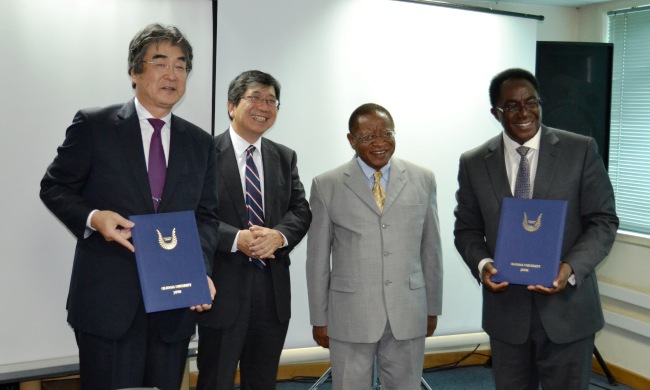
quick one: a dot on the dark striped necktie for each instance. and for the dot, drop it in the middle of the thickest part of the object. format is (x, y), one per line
(254, 197)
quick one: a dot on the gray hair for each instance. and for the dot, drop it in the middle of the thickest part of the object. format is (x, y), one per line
(155, 34)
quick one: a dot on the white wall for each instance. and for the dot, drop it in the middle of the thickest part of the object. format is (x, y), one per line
(592, 20)
(559, 24)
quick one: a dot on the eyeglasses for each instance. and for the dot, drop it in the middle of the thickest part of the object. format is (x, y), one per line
(367, 138)
(516, 107)
(161, 67)
(273, 103)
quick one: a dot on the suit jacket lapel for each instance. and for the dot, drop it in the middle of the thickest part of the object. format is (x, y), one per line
(229, 171)
(130, 135)
(546, 163)
(496, 168)
(396, 182)
(272, 180)
(176, 163)
(358, 183)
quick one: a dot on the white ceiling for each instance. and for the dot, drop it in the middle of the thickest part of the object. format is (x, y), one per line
(557, 3)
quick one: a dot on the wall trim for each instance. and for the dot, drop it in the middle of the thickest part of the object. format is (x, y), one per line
(633, 238)
(624, 294)
(317, 354)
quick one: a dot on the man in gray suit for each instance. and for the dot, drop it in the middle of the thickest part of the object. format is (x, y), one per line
(537, 334)
(374, 262)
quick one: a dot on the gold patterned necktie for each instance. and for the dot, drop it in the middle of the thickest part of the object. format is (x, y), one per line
(378, 191)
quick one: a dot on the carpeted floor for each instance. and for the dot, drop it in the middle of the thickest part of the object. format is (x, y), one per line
(460, 378)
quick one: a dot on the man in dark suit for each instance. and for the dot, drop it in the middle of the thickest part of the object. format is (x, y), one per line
(264, 215)
(100, 176)
(537, 334)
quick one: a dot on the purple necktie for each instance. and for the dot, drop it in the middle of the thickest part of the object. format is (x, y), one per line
(157, 164)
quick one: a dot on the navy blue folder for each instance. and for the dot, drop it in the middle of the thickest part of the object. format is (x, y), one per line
(170, 261)
(529, 241)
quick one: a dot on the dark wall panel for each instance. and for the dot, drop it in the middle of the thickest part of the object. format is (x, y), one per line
(575, 81)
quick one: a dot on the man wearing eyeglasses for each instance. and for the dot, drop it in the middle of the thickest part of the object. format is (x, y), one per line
(264, 214)
(122, 160)
(537, 334)
(374, 261)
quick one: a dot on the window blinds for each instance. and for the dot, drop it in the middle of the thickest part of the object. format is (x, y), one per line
(629, 155)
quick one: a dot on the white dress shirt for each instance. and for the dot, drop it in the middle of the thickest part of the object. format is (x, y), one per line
(240, 145)
(146, 130)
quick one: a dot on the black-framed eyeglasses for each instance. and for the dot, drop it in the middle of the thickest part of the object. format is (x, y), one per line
(367, 138)
(273, 103)
(179, 69)
(531, 105)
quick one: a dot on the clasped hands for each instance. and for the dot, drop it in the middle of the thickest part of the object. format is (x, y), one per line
(559, 283)
(259, 242)
(115, 228)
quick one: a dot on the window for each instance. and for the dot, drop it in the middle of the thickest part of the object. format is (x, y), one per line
(629, 154)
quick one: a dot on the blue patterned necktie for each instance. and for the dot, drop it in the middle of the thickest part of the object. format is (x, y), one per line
(157, 165)
(522, 184)
(254, 197)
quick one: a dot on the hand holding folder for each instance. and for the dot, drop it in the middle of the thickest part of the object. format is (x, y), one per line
(529, 241)
(170, 262)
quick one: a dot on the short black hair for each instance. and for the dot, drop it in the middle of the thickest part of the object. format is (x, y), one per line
(247, 79)
(510, 74)
(367, 109)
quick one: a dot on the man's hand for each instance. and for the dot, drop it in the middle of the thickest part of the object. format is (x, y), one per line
(320, 336)
(266, 242)
(113, 227)
(559, 284)
(206, 306)
(244, 241)
(432, 324)
(486, 279)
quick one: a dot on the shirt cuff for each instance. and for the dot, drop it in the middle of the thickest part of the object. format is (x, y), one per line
(482, 264)
(89, 228)
(233, 249)
(285, 243)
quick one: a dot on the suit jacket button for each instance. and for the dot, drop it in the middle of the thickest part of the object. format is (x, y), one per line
(386, 283)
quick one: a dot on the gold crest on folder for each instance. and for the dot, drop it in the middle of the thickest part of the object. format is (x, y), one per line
(167, 243)
(532, 225)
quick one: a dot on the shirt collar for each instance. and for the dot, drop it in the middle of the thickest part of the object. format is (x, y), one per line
(240, 145)
(511, 146)
(143, 114)
(369, 171)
